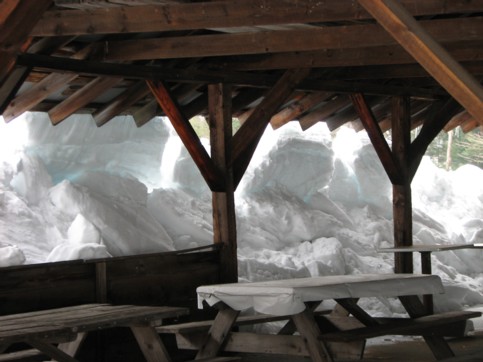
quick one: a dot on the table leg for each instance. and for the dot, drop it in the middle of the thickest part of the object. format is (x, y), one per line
(426, 269)
(437, 344)
(150, 344)
(310, 332)
(218, 332)
(71, 348)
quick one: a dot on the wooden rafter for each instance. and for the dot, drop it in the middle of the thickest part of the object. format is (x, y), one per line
(315, 38)
(221, 14)
(324, 111)
(431, 55)
(208, 169)
(81, 97)
(377, 138)
(297, 108)
(121, 103)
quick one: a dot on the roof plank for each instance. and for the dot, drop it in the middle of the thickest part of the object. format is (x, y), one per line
(433, 57)
(315, 38)
(222, 14)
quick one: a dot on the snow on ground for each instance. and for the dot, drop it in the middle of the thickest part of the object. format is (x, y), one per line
(309, 204)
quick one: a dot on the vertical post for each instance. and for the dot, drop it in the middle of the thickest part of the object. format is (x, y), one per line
(224, 223)
(402, 204)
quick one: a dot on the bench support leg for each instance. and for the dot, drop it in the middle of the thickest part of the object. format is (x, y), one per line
(150, 344)
(223, 323)
(437, 344)
(308, 329)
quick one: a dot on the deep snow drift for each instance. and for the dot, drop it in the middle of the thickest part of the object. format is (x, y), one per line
(309, 204)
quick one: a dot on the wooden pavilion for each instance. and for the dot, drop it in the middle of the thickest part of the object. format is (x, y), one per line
(374, 65)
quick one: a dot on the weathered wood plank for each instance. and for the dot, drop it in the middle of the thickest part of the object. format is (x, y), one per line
(222, 14)
(208, 169)
(317, 38)
(431, 55)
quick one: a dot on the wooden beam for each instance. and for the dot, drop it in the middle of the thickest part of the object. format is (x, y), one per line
(131, 71)
(12, 83)
(222, 14)
(439, 114)
(224, 221)
(432, 56)
(314, 38)
(295, 109)
(17, 19)
(258, 120)
(391, 54)
(121, 103)
(377, 138)
(81, 97)
(208, 169)
(401, 199)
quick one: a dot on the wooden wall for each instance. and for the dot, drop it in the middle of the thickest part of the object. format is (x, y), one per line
(152, 279)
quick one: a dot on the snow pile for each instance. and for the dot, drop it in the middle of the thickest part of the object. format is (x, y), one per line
(309, 204)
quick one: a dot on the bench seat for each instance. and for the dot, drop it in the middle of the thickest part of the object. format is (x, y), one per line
(423, 325)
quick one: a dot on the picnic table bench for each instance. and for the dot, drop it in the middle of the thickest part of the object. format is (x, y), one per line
(324, 336)
(59, 333)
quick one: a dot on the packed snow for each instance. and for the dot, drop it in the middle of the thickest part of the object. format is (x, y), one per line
(311, 203)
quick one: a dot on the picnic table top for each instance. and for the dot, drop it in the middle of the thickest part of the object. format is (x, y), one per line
(68, 321)
(288, 296)
(429, 248)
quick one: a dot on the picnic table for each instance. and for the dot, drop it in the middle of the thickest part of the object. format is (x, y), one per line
(425, 252)
(344, 329)
(59, 333)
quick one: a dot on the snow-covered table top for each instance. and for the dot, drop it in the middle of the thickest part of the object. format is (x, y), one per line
(287, 297)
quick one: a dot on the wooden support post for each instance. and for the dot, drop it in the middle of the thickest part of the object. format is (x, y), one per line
(224, 223)
(402, 205)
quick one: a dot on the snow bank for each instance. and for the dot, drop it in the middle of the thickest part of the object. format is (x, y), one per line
(309, 204)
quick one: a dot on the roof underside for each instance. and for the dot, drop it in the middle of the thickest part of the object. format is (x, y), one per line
(88, 56)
